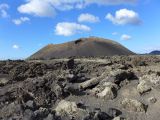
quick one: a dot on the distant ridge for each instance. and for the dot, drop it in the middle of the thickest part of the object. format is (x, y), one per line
(83, 47)
(156, 52)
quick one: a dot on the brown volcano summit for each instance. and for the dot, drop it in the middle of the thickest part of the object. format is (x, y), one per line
(83, 47)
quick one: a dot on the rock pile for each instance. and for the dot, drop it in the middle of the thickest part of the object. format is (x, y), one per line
(108, 88)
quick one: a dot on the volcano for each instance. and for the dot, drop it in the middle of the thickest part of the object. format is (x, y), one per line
(83, 47)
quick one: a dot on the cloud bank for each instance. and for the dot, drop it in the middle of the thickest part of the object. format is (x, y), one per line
(48, 8)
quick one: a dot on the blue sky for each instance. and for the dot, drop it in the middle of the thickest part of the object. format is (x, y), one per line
(28, 25)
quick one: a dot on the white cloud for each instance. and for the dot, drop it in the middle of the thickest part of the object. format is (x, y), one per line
(15, 46)
(110, 2)
(126, 37)
(114, 33)
(3, 10)
(85, 17)
(40, 8)
(48, 8)
(124, 16)
(68, 29)
(20, 20)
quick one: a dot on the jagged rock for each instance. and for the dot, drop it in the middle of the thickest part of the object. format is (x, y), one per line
(106, 93)
(41, 113)
(52, 116)
(81, 105)
(152, 100)
(70, 64)
(138, 61)
(73, 89)
(71, 77)
(70, 109)
(58, 90)
(10, 110)
(89, 83)
(97, 115)
(25, 70)
(92, 82)
(119, 118)
(28, 115)
(124, 66)
(117, 76)
(36, 69)
(153, 79)
(143, 87)
(105, 90)
(49, 117)
(66, 107)
(30, 104)
(133, 105)
(18, 72)
(3, 81)
(114, 112)
(109, 92)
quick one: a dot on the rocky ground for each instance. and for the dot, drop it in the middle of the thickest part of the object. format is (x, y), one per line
(106, 88)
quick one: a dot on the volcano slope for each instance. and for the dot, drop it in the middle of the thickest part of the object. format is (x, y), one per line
(83, 47)
(108, 88)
